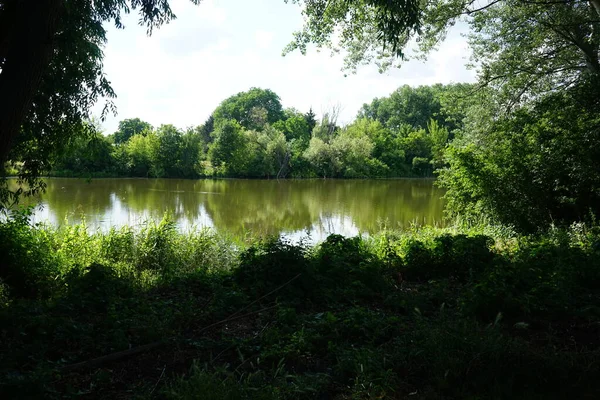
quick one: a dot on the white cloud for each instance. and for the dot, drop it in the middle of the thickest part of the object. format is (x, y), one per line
(212, 51)
(263, 38)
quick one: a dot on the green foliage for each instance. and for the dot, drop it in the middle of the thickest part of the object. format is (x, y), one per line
(534, 167)
(346, 265)
(140, 151)
(265, 267)
(252, 109)
(257, 143)
(69, 58)
(156, 250)
(87, 155)
(228, 151)
(29, 266)
(445, 315)
(130, 127)
(524, 285)
(322, 157)
(417, 106)
(522, 48)
(295, 126)
(361, 28)
(458, 257)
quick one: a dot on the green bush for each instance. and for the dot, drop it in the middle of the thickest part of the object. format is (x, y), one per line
(532, 167)
(156, 250)
(347, 265)
(28, 265)
(459, 257)
(542, 278)
(267, 266)
(346, 327)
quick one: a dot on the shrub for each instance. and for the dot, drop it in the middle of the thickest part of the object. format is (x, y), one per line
(28, 266)
(460, 257)
(346, 265)
(155, 250)
(266, 266)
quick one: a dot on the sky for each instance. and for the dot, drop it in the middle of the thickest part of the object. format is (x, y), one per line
(181, 73)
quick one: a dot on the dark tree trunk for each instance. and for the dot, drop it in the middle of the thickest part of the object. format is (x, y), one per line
(28, 55)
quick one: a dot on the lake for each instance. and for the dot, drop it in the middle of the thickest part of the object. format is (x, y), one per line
(291, 208)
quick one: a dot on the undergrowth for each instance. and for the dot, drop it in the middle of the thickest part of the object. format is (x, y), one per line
(475, 313)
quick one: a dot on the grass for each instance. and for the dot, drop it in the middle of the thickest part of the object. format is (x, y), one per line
(422, 314)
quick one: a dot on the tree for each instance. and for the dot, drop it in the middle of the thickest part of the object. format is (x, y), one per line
(130, 127)
(86, 155)
(311, 119)
(387, 146)
(416, 106)
(438, 137)
(252, 109)
(527, 48)
(417, 150)
(353, 155)
(278, 152)
(141, 153)
(368, 29)
(536, 166)
(322, 157)
(191, 151)
(327, 128)
(406, 105)
(167, 161)
(228, 152)
(295, 126)
(51, 72)
(267, 153)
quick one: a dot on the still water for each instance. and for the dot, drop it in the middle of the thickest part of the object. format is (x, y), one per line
(290, 208)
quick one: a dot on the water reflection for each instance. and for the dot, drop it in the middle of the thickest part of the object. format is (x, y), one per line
(239, 207)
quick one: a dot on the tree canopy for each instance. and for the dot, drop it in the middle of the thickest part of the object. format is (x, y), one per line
(253, 109)
(130, 127)
(51, 72)
(517, 145)
(526, 48)
(294, 145)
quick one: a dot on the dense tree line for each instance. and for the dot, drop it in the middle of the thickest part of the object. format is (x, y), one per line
(526, 154)
(514, 317)
(519, 146)
(251, 135)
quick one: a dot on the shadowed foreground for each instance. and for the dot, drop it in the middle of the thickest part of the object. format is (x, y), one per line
(427, 314)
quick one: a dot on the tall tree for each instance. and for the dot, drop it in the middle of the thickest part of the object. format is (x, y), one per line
(525, 47)
(228, 152)
(252, 109)
(416, 106)
(538, 165)
(51, 72)
(130, 127)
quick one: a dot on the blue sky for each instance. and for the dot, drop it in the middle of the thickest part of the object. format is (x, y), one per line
(186, 68)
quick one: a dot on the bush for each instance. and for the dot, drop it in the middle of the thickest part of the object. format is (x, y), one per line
(542, 278)
(267, 266)
(459, 257)
(534, 167)
(345, 266)
(28, 267)
(155, 251)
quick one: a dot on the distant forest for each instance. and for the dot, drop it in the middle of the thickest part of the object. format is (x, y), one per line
(251, 135)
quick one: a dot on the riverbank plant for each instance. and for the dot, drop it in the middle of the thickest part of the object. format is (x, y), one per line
(429, 313)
